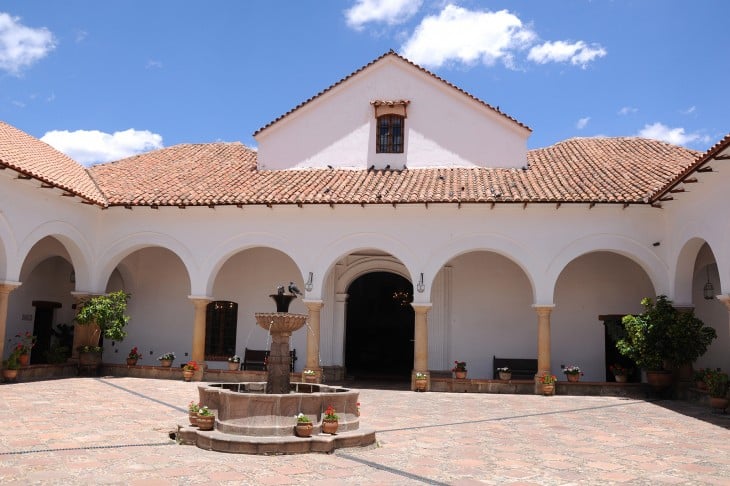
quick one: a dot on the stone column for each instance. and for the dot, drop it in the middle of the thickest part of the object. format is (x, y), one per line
(420, 343)
(5, 289)
(543, 343)
(312, 363)
(198, 348)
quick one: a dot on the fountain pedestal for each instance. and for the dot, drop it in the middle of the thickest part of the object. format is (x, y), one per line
(280, 325)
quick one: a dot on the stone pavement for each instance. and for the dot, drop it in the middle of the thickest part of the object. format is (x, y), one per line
(115, 431)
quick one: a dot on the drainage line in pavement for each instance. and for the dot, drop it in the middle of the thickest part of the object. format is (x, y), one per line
(390, 469)
(60, 449)
(512, 417)
(141, 395)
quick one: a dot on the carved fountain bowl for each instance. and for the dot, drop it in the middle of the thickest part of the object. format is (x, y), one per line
(280, 322)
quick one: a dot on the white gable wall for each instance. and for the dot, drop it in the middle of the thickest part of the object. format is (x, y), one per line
(444, 127)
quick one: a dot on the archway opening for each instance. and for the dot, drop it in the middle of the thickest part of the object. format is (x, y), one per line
(379, 327)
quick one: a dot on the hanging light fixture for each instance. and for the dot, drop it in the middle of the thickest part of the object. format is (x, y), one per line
(708, 290)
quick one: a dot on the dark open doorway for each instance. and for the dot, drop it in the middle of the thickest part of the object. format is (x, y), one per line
(379, 327)
(43, 330)
(614, 331)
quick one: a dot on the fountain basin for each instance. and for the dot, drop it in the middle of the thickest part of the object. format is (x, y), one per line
(249, 421)
(244, 408)
(280, 322)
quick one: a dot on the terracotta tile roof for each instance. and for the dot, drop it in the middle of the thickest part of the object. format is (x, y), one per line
(374, 61)
(181, 175)
(31, 157)
(596, 170)
(713, 153)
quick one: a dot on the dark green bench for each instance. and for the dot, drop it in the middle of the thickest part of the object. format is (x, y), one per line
(255, 359)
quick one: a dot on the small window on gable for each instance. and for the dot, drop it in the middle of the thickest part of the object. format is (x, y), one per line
(390, 127)
(221, 321)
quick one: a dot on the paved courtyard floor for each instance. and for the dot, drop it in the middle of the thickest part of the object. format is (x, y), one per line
(115, 431)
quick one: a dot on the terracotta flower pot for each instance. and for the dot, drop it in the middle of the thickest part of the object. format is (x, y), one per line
(421, 384)
(505, 375)
(719, 403)
(548, 390)
(659, 380)
(460, 375)
(573, 377)
(24, 359)
(621, 378)
(304, 429)
(310, 378)
(131, 361)
(10, 375)
(193, 417)
(166, 363)
(188, 375)
(206, 422)
(330, 426)
(233, 366)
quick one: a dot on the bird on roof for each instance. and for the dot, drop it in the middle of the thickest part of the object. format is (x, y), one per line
(293, 289)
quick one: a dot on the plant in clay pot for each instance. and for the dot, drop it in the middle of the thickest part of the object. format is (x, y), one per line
(573, 373)
(166, 359)
(206, 418)
(547, 381)
(25, 343)
(504, 373)
(193, 409)
(103, 315)
(620, 372)
(189, 369)
(133, 356)
(421, 381)
(234, 362)
(662, 338)
(459, 369)
(717, 387)
(330, 420)
(304, 426)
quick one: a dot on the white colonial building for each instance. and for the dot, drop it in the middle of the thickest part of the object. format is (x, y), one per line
(390, 186)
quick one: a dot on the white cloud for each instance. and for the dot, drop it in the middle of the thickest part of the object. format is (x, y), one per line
(676, 136)
(582, 123)
(81, 35)
(152, 64)
(577, 53)
(689, 110)
(92, 146)
(467, 36)
(627, 110)
(391, 12)
(21, 46)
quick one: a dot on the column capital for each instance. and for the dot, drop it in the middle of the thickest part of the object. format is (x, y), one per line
(543, 306)
(421, 307)
(200, 298)
(725, 299)
(8, 286)
(313, 304)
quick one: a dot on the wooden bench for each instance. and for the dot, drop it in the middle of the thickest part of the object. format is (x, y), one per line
(255, 359)
(521, 368)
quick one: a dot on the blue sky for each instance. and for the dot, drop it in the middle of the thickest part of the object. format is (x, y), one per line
(101, 80)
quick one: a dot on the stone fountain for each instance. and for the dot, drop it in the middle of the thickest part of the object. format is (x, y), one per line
(259, 418)
(280, 325)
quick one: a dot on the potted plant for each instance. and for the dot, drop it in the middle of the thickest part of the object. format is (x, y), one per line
(572, 373)
(206, 418)
(133, 356)
(166, 359)
(330, 421)
(189, 369)
(459, 369)
(661, 338)
(504, 373)
(421, 381)
(304, 426)
(699, 378)
(717, 386)
(193, 409)
(99, 316)
(547, 382)
(234, 363)
(620, 372)
(11, 366)
(26, 342)
(310, 376)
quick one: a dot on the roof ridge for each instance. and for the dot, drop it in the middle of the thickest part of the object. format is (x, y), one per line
(391, 52)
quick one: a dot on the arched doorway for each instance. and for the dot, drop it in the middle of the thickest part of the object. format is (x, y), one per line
(379, 327)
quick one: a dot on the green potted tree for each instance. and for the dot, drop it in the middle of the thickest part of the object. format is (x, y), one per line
(11, 366)
(663, 338)
(103, 315)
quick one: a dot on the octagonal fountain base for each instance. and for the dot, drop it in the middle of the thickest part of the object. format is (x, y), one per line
(248, 421)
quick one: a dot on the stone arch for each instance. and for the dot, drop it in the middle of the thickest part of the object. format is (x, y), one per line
(224, 251)
(377, 263)
(642, 256)
(78, 248)
(511, 249)
(331, 254)
(684, 270)
(126, 246)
